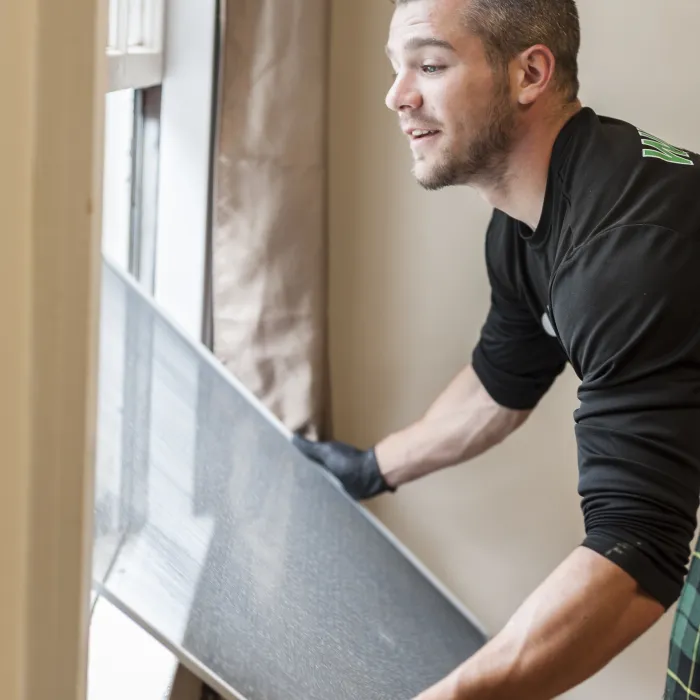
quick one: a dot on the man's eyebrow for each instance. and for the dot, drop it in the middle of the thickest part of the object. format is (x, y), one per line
(418, 42)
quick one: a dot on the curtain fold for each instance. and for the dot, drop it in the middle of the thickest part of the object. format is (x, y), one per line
(269, 242)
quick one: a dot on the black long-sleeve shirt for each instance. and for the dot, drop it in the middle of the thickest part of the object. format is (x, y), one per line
(610, 282)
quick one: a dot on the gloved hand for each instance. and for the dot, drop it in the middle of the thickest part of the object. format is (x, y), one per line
(357, 470)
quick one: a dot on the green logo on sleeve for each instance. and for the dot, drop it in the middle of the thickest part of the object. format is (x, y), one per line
(656, 148)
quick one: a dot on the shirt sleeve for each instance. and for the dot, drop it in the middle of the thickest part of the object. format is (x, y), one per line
(515, 359)
(627, 306)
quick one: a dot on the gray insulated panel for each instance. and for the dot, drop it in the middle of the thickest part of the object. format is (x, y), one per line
(222, 541)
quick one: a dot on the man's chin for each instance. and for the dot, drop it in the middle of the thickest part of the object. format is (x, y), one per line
(431, 178)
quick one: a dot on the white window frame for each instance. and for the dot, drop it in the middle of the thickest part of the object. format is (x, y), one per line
(186, 128)
(180, 57)
(136, 63)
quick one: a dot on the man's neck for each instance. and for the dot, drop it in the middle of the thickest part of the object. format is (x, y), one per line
(521, 192)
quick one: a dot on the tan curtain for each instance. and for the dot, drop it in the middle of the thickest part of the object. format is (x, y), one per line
(269, 238)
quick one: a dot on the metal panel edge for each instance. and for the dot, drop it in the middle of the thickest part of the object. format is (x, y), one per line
(186, 659)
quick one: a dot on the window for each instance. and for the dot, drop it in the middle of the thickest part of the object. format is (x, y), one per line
(129, 228)
(158, 149)
(135, 47)
(145, 670)
(132, 135)
(157, 160)
(117, 177)
(130, 182)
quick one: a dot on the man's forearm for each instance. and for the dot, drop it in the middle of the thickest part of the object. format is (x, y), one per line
(462, 423)
(577, 621)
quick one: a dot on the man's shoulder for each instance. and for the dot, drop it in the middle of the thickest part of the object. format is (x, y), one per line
(612, 138)
(617, 173)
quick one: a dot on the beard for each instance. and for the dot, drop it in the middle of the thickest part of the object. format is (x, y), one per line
(483, 159)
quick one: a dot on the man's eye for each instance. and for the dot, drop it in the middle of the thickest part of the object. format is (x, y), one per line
(430, 70)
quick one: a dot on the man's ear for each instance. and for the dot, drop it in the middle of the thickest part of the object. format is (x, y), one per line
(535, 72)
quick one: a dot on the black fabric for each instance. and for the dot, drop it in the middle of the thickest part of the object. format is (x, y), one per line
(515, 359)
(611, 281)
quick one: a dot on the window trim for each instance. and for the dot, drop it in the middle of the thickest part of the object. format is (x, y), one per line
(134, 66)
(134, 70)
(186, 149)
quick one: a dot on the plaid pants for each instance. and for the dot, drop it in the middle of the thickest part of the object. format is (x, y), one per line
(683, 676)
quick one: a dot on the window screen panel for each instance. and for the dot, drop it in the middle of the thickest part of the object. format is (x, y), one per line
(239, 552)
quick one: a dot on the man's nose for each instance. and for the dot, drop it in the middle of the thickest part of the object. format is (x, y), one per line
(403, 95)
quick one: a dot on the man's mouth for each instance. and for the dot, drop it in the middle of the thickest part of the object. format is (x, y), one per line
(421, 134)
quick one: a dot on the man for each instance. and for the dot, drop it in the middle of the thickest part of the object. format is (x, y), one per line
(593, 254)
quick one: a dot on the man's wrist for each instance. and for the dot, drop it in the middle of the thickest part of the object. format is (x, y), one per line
(386, 463)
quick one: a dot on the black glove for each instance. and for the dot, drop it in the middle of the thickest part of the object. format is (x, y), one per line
(357, 470)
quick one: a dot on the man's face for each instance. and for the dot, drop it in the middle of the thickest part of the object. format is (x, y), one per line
(445, 85)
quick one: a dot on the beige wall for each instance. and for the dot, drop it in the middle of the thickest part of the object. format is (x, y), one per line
(15, 307)
(47, 306)
(409, 293)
